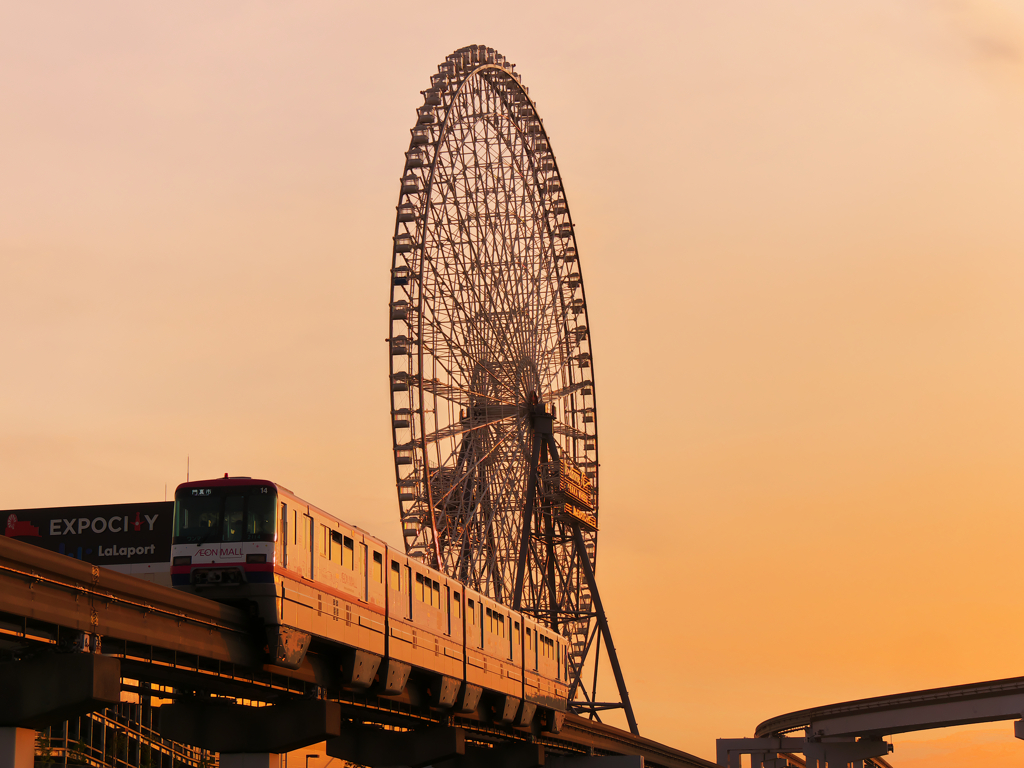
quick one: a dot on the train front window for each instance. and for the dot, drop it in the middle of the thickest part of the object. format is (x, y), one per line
(260, 520)
(196, 518)
(219, 514)
(234, 511)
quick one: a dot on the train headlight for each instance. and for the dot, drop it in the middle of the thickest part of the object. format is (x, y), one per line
(256, 558)
(183, 560)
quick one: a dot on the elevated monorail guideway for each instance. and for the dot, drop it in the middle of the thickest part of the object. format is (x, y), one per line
(905, 712)
(854, 730)
(58, 609)
(492, 380)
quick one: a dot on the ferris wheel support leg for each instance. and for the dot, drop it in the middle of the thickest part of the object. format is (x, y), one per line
(524, 541)
(602, 620)
(542, 429)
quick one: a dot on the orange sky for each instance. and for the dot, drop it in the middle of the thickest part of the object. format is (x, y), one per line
(801, 236)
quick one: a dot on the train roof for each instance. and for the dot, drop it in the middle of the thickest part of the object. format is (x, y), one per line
(228, 481)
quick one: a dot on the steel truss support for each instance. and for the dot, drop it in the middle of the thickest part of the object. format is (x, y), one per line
(543, 442)
(606, 633)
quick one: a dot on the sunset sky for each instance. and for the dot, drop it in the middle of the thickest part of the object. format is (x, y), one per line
(801, 234)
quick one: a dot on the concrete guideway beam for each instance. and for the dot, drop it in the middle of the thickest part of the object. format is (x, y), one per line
(231, 728)
(524, 755)
(589, 761)
(56, 687)
(250, 760)
(920, 716)
(519, 755)
(830, 753)
(376, 748)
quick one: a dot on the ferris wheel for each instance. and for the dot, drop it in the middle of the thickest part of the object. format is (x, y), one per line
(492, 381)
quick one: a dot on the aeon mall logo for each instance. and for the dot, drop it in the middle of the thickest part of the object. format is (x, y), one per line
(220, 552)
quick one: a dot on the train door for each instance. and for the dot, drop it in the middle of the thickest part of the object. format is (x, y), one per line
(474, 630)
(400, 593)
(377, 589)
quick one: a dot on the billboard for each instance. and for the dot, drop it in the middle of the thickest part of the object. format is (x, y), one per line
(103, 534)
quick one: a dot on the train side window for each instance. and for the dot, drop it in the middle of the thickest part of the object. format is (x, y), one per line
(472, 612)
(457, 598)
(335, 547)
(396, 576)
(435, 594)
(325, 541)
(419, 587)
(295, 527)
(378, 567)
(348, 558)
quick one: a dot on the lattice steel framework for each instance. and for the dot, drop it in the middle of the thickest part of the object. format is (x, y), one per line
(489, 331)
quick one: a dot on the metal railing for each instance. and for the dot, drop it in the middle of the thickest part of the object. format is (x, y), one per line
(119, 737)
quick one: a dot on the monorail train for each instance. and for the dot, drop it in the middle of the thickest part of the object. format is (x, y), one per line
(309, 578)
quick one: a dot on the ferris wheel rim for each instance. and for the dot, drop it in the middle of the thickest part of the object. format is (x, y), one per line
(417, 376)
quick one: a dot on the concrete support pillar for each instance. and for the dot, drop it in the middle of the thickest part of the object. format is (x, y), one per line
(815, 755)
(17, 747)
(250, 760)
